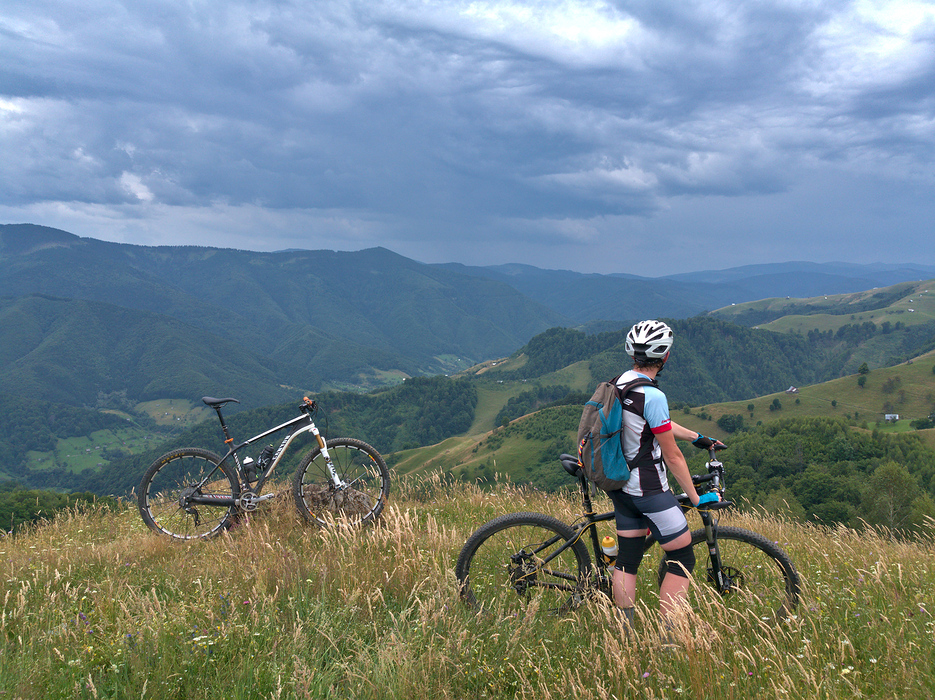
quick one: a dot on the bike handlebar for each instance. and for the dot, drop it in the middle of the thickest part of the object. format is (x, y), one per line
(685, 502)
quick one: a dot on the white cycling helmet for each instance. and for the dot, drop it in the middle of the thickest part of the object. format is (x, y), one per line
(649, 340)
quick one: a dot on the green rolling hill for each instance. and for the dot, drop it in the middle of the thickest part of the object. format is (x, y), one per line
(91, 326)
(334, 319)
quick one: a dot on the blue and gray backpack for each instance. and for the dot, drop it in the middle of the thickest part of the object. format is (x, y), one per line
(600, 434)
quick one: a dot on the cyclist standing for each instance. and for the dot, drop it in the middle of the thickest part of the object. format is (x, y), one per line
(646, 501)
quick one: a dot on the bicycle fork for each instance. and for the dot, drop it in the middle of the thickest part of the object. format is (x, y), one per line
(716, 573)
(333, 473)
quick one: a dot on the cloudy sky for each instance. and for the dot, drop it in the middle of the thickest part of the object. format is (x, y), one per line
(647, 136)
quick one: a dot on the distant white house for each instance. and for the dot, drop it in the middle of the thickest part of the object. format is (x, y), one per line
(792, 390)
(891, 417)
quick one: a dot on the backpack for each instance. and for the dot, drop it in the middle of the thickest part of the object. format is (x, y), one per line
(600, 434)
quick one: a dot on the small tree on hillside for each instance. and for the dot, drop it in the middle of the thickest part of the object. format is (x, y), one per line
(888, 501)
(730, 422)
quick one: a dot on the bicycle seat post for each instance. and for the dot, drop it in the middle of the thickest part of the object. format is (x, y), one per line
(227, 436)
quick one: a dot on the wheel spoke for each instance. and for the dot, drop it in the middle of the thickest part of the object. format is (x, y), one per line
(756, 577)
(362, 493)
(502, 568)
(166, 493)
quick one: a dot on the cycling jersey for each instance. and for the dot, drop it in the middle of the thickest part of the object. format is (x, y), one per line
(645, 415)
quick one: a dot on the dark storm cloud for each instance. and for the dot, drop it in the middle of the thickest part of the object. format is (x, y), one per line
(430, 126)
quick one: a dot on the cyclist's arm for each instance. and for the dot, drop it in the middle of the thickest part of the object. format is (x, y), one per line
(682, 433)
(675, 462)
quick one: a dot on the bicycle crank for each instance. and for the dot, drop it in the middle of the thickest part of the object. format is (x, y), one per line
(248, 501)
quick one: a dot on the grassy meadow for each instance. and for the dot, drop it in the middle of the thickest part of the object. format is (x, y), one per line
(95, 606)
(909, 387)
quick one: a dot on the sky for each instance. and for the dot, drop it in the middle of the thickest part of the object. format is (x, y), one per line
(647, 136)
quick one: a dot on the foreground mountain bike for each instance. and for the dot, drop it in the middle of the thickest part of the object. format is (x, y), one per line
(520, 557)
(191, 493)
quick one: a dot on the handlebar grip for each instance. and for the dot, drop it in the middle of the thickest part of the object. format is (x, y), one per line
(701, 478)
(715, 506)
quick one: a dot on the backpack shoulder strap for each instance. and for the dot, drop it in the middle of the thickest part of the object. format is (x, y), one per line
(621, 395)
(622, 391)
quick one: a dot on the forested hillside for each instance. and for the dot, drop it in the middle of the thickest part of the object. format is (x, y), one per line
(711, 360)
(28, 424)
(71, 351)
(107, 327)
(714, 360)
(323, 316)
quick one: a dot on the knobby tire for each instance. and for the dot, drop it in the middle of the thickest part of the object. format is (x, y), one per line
(501, 567)
(360, 467)
(761, 578)
(161, 498)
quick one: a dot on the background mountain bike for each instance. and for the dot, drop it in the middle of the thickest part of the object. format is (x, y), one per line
(519, 557)
(192, 493)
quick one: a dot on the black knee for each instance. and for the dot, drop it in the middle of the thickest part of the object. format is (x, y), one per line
(681, 562)
(629, 553)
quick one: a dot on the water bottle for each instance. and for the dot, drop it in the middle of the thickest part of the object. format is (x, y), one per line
(249, 469)
(609, 547)
(263, 459)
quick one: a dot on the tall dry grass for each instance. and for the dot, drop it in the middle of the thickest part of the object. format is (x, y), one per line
(94, 605)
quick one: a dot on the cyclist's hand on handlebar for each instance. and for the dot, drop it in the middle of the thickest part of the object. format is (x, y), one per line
(706, 443)
(710, 497)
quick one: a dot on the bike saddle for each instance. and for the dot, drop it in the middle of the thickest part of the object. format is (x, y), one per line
(214, 403)
(570, 463)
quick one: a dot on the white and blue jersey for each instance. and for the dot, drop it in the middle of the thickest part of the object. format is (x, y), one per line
(645, 415)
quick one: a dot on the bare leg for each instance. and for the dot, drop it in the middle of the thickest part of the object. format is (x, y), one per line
(674, 588)
(624, 589)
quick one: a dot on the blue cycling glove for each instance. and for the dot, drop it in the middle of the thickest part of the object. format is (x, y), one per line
(703, 442)
(709, 497)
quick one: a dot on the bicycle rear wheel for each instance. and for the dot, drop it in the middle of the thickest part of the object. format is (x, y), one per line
(755, 577)
(515, 560)
(171, 502)
(365, 484)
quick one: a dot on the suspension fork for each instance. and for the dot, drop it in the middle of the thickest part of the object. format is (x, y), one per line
(716, 573)
(322, 445)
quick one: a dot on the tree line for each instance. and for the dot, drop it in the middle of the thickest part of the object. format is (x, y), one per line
(20, 507)
(32, 424)
(823, 470)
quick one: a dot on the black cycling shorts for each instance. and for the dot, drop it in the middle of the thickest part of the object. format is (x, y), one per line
(660, 513)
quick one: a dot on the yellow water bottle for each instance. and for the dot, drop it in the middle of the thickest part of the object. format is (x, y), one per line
(609, 547)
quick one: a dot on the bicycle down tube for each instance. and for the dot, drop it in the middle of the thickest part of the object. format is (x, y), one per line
(283, 446)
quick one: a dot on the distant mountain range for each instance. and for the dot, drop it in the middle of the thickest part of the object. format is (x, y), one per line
(80, 317)
(620, 297)
(310, 318)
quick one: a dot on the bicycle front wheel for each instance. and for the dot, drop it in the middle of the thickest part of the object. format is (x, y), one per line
(755, 577)
(361, 494)
(173, 500)
(519, 558)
